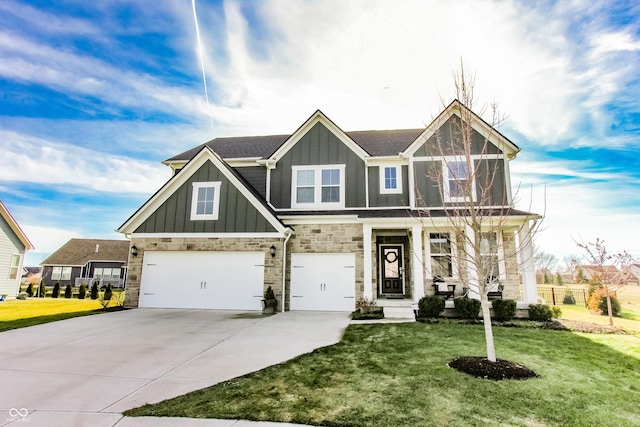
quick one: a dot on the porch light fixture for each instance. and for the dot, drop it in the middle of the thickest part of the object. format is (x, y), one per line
(272, 251)
(134, 251)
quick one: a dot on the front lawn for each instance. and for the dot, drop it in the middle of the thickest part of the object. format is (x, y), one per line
(397, 375)
(34, 311)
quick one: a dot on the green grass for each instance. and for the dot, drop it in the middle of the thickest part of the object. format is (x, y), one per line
(397, 375)
(35, 311)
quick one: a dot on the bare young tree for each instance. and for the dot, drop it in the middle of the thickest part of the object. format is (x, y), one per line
(608, 268)
(475, 208)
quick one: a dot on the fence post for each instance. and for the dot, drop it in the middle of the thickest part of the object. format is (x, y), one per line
(584, 296)
(553, 295)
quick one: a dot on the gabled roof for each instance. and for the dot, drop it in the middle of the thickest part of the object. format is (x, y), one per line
(479, 125)
(78, 252)
(205, 154)
(4, 213)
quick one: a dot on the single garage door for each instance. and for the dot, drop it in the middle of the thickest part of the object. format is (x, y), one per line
(213, 280)
(323, 282)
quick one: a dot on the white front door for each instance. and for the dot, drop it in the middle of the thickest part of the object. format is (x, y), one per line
(213, 280)
(323, 282)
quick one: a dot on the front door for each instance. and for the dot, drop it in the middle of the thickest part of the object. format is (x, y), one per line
(391, 269)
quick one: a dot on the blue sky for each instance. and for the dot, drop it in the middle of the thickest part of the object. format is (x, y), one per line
(94, 95)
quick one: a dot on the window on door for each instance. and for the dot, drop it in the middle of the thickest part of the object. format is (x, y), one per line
(318, 187)
(441, 255)
(205, 201)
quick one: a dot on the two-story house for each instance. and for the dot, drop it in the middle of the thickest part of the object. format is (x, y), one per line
(324, 217)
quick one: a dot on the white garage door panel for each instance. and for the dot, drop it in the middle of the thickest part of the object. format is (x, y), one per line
(213, 280)
(323, 282)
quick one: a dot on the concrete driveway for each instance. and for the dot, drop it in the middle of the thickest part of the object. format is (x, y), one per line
(87, 370)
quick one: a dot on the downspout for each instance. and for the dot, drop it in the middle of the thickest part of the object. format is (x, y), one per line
(288, 233)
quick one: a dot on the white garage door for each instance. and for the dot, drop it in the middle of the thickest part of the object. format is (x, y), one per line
(214, 280)
(323, 282)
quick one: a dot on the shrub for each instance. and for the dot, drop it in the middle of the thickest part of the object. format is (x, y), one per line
(108, 293)
(569, 299)
(268, 294)
(68, 292)
(504, 309)
(30, 290)
(559, 279)
(94, 291)
(42, 290)
(56, 290)
(366, 305)
(430, 306)
(467, 308)
(556, 312)
(82, 292)
(540, 312)
(598, 302)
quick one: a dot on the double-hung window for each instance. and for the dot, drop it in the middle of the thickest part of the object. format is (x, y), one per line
(205, 201)
(441, 259)
(390, 179)
(61, 273)
(490, 256)
(15, 266)
(318, 187)
(458, 183)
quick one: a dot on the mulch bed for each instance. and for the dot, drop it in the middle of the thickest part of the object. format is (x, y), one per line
(481, 367)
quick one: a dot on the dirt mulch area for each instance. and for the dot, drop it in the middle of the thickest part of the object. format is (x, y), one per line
(591, 328)
(481, 367)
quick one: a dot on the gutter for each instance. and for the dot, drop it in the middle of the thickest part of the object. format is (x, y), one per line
(288, 233)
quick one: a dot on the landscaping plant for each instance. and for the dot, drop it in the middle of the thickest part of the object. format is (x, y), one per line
(94, 290)
(430, 306)
(504, 309)
(540, 312)
(42, 290)
(56, 290)
(30, 290)
(68, 292)
(467, 308)
(82, 292)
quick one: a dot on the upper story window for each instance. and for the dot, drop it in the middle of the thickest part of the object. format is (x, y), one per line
(490, 256)
(61, 273)
(390, 179)
(441, 255)
(318, 186)
(205, 200)
(15, 266)
(457, 182)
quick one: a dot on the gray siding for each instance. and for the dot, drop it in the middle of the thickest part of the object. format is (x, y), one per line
(236, 214)
(428, 186)
(441, 142)
(492, 170)
(319, 146)
(256, 176)
(387, 200)
(9, 244)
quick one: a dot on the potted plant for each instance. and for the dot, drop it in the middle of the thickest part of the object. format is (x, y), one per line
(269, 303)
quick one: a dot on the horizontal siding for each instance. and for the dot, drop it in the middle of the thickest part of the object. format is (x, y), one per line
(236, 213)
(9, 245)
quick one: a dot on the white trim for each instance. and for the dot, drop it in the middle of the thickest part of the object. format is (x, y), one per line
(382, 179)
(317, 186)
(19, 267)
(367, 243)
(417, 233)
(366, 187)
(318, 117)
(459, 156)
(452, 254)
(412, 186)
(171, 186)
(386, 160)
(195, 216)
(316, 219)
(209, 235)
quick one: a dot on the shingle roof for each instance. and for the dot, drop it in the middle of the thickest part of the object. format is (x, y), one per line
(375, 142)
(78, 252)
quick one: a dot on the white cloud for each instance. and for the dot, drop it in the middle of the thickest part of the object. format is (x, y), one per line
(29, 159)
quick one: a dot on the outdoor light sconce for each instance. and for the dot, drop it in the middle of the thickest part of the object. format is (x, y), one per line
(272, 251)
(134, 251)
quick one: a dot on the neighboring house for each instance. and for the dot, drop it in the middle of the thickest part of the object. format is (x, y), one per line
(591, 271)
(82, 261)
(324, 217)
(13, 245)
(31, 275)
(634, 274)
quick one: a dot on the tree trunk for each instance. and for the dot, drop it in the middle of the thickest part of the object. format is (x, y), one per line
(609, 311)
(488, 329)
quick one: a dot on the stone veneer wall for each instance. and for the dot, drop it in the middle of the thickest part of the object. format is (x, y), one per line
(272, 270)
(328, 238)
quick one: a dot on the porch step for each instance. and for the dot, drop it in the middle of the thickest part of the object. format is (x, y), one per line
(397, 309)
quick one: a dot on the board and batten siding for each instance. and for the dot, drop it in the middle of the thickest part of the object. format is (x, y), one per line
(236, 214)
(377, 200)
(319, 146)
(10, 244)
(440, 142)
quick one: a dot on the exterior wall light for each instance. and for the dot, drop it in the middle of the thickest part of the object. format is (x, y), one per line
(134, 251)
(272, 251)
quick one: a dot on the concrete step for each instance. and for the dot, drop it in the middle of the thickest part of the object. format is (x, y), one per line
(391, 312)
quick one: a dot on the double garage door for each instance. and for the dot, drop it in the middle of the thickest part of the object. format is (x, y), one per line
(213, 280)
(234, 280)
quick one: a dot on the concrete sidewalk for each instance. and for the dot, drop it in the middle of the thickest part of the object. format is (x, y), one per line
(86, 371)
